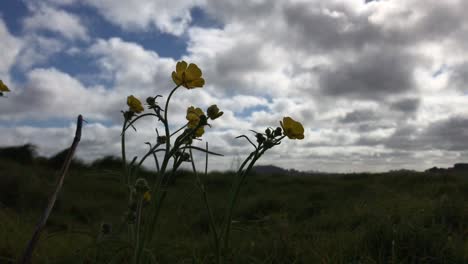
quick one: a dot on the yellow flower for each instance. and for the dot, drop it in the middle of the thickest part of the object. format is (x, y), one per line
(292, 129)
(200, 131)
(147, 196)
(3, 87)
(213, 112)
(193, 117)
(134, 104)
(189, 77)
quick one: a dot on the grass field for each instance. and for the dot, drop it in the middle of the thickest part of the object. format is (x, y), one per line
(397, 217)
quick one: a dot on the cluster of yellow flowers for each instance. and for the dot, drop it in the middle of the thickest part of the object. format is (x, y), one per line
(190, 76)
(180, 150)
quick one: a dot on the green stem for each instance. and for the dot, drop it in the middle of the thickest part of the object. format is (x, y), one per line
(175, 132)
(241, 175)
(166, 128)
(233, 187)
(151, 151)
(138, 117)
(124, 159)
(207, 205)
(156, 203)
(137, 231)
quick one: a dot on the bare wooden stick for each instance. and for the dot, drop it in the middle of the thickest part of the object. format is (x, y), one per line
(27, 255)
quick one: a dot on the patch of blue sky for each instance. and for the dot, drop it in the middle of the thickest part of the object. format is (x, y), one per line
(440, 71)
(12, 12)
(201, 19)
(250, 110)
(83, 66)
(166, 45)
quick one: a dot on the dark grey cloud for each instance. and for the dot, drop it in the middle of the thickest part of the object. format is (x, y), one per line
(441, 19)
(374, 125)
(358, 116)
(459, 76)
(247, 11)
(374, 75)
(449, 134)
(314, 28)
(324, 58)
(231, 65)
(407, 105)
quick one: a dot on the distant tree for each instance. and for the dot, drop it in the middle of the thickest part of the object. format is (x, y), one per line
(24, 154)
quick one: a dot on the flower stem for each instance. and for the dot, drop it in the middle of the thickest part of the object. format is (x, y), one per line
(156, 204)
(136, 118)
(124, 159)
(207, 205)
(238, 181)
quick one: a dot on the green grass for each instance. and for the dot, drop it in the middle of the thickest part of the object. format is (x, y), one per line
(398, 217)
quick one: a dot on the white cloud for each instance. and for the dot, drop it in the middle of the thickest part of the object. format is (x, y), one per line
(10, 46)
(51, 19)
(37, 49)
(50, 93)
(366, 80)
(132, 68)
(168, 16)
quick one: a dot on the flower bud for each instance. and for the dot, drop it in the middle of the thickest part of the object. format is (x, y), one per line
(151, 101)
(147, 197)
(213, 112)
(203, 120)
(278, 131)
(128, 115)
(260, 138)
(269, 144)
(141, 185)
(185, 157)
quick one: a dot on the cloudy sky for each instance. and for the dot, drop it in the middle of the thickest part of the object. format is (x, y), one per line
(378, 85)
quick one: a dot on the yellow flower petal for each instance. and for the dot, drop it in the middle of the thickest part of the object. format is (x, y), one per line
(181, 67)
(193, 72)
(192, 124)
(3, 87)
(134, 104)
(147, 196)
(200, 131)
(188, 76)
(292, 129)
(176, 78)
(196, 83)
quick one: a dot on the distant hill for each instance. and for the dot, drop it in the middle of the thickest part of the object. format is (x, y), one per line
(27, 155)
(268, 169)
(457, 167)
(275, 170)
